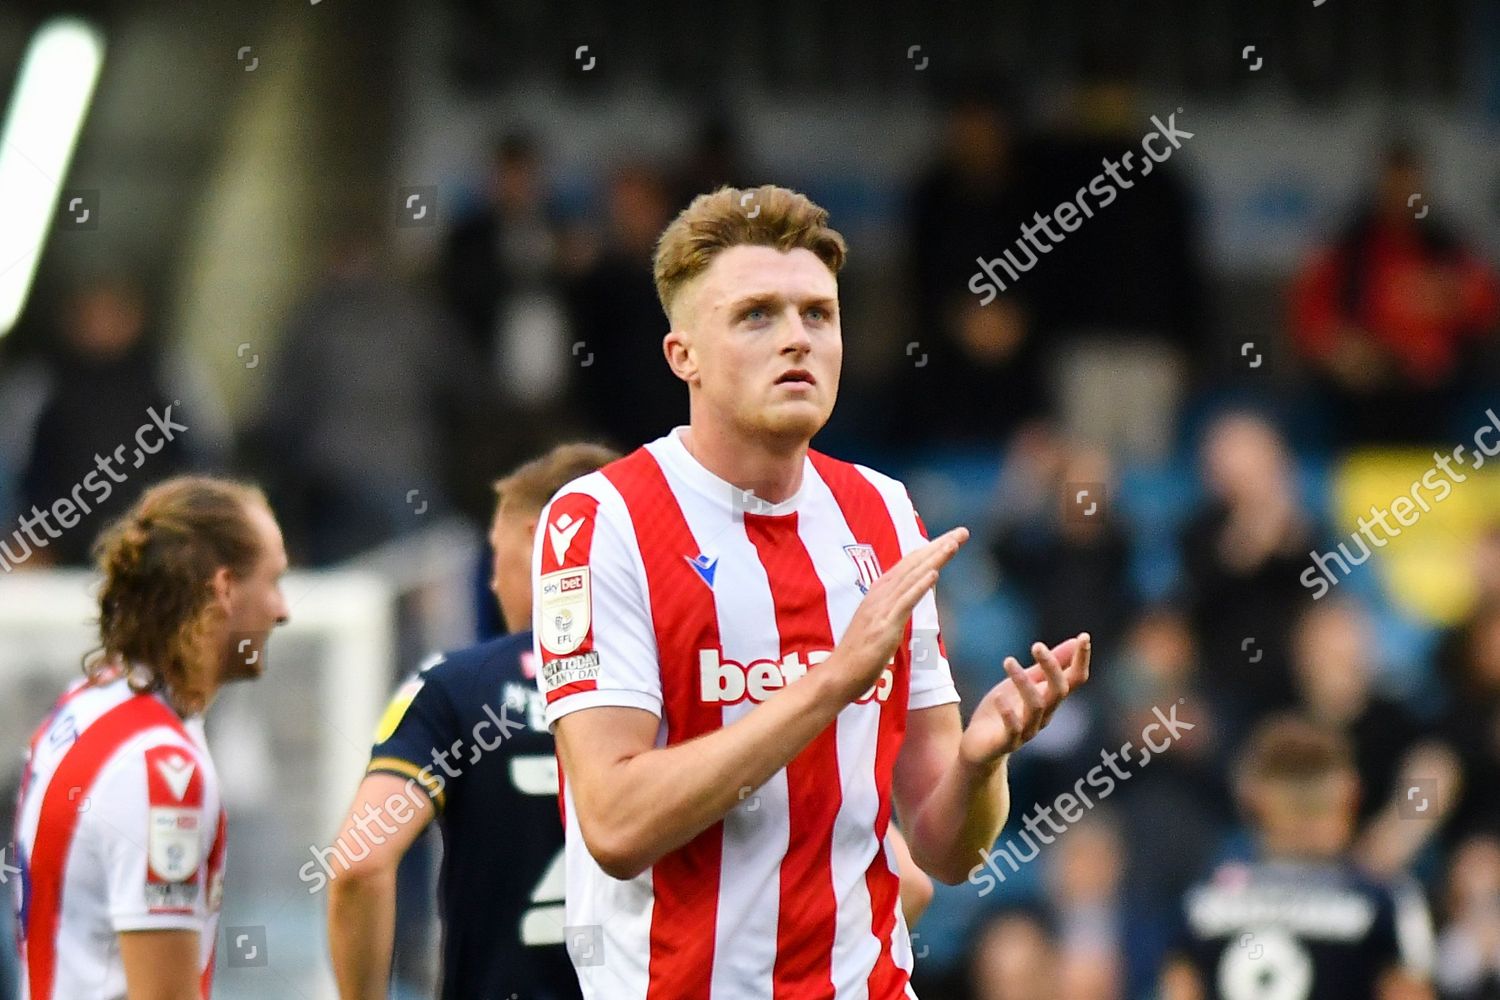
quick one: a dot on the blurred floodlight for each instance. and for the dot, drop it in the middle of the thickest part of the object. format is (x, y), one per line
(41, 127)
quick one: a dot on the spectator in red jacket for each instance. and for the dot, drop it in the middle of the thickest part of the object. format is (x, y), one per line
(1386, 314)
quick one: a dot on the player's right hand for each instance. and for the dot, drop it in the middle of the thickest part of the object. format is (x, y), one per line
(880, 620)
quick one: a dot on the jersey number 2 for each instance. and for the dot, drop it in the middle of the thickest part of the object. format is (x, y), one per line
(536, 774)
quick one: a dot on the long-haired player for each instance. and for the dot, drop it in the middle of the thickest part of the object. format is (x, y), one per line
(120, 831)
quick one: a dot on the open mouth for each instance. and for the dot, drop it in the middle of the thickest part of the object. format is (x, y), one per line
(796, 376)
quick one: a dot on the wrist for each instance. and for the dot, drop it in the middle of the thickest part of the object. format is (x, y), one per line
(824, 691)
(834, 685)
(979, 771)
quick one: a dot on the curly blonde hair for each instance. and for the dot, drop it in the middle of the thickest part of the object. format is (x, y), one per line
(158, 562)
(763, 216)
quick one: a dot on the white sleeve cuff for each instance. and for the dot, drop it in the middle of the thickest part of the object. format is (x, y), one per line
(602, 698)
(125, 922)
(946, 694)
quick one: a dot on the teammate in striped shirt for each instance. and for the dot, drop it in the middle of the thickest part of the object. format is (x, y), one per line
(119, 829)
(742, 661)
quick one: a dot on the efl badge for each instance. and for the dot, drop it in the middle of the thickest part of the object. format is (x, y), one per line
(865, 564)
(174, 846)
(565, 612)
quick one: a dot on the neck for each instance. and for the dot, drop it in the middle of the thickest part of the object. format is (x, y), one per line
(186, 707)
(200, 700)
(769, 467)
(1298, 845)
(1340, 709)
(181, 702)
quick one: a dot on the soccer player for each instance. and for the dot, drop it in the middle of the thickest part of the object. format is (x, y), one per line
(464, 742)
(1301, 923)
(120, 832)
(495, 800)
(741, 659)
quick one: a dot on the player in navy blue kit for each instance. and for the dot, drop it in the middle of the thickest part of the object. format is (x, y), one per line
(1302, 922)
(464, 741)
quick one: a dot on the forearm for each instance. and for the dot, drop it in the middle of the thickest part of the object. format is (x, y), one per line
(361, 932)
(1392, 839)
(962, 815)
(658, 800)
(160, 965)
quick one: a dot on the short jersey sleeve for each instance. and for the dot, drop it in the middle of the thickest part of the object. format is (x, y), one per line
(931, 677)
(151, 823)
(591, 617)
(418, 725)
(1403, 934)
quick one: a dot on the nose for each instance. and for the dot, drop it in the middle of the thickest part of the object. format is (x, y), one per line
(797, 341)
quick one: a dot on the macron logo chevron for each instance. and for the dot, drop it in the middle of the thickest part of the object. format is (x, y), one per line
(177, 771)
(704, 567)
(561, 532)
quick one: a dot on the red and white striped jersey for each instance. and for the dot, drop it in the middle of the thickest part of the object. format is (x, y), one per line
(118, 828)
(660, 586)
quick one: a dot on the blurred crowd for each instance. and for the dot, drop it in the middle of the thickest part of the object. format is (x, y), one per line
(539, 323)
(1233, 639)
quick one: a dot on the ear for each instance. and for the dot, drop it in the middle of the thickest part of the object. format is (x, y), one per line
(222, 582)
(677, 346)
(1349, 792)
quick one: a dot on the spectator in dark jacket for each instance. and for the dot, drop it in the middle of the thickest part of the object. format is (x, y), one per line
(624, 389)
(107, 380)
(1242, 553)
(503, 248)
(972, 374)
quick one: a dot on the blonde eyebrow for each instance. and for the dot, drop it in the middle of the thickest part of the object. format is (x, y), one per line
(770, 298)
(757, 299)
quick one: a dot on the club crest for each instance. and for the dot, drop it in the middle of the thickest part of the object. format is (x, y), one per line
(865, 564)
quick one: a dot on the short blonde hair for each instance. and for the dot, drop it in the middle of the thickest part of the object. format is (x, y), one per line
(531, 485)
(763, 216)
(1289, 748)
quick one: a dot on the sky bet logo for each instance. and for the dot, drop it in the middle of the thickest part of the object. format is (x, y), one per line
(727, 682)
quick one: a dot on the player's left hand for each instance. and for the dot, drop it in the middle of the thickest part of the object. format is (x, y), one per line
(1017, 708)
